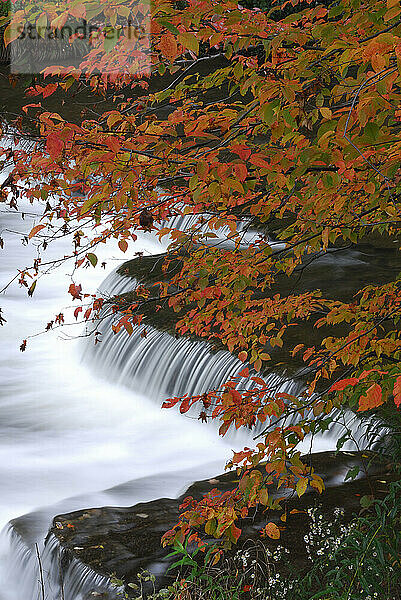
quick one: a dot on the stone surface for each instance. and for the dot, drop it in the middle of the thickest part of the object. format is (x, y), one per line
(123, 541)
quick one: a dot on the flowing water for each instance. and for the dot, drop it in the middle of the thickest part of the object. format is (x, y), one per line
(81, 425)
(64, 431)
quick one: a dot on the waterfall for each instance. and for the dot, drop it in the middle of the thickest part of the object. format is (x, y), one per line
(159, 365)
(69, 439)
(222, 236)
(162, 366)
(56, 569)
(199, 223)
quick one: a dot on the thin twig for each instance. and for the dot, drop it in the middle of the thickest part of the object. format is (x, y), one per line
(61, 575)
(41, 581)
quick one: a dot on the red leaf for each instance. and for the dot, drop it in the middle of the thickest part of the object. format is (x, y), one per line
(236, 396)
(235, 531)
(373, 398)
(77, 311)
(258, 381)
(397, 391)
(123, 245)
(75, 291)
(54, 145)
(49, 89)
(170, 403)
(244, 372)
(243, 151)
(185, 404)
(25, 108)
(343, 383)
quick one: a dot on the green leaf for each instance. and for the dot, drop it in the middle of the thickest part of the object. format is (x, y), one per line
(268, 113)
(111, 39)
(336, 10)
(92, 259)
(188, 40)
(172, 28)
(352, 473)
(371, 131)
(366, 501)
(302, 485)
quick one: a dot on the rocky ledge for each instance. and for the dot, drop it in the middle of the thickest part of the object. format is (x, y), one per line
(123, 541)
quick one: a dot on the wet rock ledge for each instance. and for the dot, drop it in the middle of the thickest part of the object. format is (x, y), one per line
(123, 541)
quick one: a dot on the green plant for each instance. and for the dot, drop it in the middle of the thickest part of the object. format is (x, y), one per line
(364, 562)
(5, 8)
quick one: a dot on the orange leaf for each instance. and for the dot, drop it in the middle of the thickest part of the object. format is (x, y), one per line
(373, 398)
(397, 391)
(168, 46)
(35, 230)
(123, 245)
(343, 383)
(272, 531)
(75, 291)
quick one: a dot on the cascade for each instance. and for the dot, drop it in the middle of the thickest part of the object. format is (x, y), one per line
(62, 575)
(159, 365)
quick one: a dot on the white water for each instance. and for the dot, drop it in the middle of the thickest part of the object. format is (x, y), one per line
(63, 431)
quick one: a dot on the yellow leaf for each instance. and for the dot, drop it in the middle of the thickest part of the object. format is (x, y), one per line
(188, 40)
(318, 484)
(302, 484)
(41, 25)
(272, 531)
(263, 496)
(325, 112)
(11, 33)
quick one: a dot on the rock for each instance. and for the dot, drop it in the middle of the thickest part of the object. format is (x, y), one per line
(123, 541)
